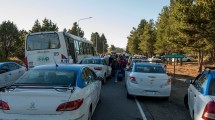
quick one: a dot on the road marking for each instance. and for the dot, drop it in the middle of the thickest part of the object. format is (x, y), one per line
(140, 109)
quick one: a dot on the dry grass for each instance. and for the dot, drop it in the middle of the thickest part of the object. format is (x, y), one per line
(184, 71)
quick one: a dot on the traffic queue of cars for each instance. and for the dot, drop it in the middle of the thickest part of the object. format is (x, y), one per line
(65, 92)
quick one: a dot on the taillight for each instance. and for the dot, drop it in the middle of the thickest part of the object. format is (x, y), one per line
(69, 106)
(133, 80)
(98, 68)
(26, 63)
(209, 111)
(4, 105)
(63, 56)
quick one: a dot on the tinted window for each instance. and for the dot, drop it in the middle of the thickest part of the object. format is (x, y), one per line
(43, 41)
(200, 81)
(149, 69)
(84, 74)
(4, 69)
(48, 77)
(13, 66)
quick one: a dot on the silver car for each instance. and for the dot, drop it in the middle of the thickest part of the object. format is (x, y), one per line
(10, 72)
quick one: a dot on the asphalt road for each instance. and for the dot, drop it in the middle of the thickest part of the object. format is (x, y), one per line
(115, 106)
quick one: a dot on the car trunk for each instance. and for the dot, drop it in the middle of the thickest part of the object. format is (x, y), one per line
(151, 80)
(36, 101)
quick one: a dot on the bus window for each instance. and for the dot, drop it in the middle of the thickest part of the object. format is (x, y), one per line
(80, 48)
(76, 46)
(84, 48)
(43, 41)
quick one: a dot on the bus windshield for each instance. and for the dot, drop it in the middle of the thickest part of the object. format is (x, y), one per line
(43, 41)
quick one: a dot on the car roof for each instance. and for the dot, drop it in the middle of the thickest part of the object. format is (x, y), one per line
(75, 67)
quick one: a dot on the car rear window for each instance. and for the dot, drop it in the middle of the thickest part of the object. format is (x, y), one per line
(91, 61)
(149, 69)
(48, 78)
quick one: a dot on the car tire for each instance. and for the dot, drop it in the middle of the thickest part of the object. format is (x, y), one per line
(165, 98)
(90, 114)
(188, 60)
(129, 96)
(104, 81)
(186, 101)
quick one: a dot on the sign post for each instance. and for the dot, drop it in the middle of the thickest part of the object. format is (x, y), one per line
(174, 56)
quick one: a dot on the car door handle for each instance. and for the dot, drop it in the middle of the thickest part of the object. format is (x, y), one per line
(9, 74)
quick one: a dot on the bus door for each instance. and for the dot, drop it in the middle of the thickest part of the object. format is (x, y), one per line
(71, 49)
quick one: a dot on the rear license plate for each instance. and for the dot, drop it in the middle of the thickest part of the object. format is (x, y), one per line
(151, 92)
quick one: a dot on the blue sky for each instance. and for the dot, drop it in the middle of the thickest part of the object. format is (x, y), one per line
(114, 18)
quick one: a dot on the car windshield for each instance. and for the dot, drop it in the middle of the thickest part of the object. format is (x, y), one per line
(91, 61)
(48, 78)
(148, 69)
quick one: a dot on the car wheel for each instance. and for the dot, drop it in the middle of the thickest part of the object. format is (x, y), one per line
(100, 98)
(105, 78)
(129, 96)
(193, 116)
(188, 60)
(186, 101)
(90, 114)
(165, 98)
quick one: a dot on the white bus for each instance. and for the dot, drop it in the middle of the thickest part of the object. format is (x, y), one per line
(55, 47)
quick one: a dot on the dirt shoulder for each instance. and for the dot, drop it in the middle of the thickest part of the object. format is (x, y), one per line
(186, 71)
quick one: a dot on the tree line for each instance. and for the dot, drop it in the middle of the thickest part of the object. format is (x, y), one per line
(183, 27)
(12, 40)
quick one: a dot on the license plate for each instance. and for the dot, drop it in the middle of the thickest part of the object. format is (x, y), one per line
(151, 92)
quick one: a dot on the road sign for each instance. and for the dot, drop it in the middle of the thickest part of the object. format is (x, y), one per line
(174, 56)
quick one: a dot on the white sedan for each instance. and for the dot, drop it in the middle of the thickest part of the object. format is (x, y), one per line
(10, 72)
(52, 92)
(200, 97)
(99, 65)
(147, 79)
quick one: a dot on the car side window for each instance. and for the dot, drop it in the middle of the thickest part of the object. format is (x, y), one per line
(91, 76)
(104, 62)
(84, 74)
(201, 82)
(4, 69)
(13, 66)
